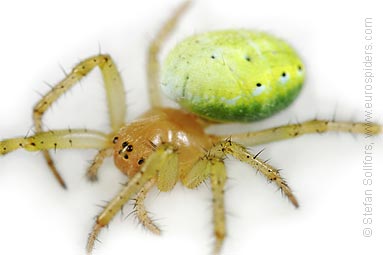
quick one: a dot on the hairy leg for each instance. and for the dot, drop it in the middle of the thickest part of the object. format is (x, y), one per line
(211, 166)
(218, 180)
(168, 175)
(239, 152)
(168, 172)
(149, 170)
(92, 171)
(197, 174)
(152, 69)
(57, 139)
(141, 211)
(115, 95)
(308, 127)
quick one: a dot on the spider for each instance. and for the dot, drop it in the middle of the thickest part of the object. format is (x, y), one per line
(163, 146)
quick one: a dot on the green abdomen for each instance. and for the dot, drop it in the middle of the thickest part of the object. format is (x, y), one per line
(233, 75)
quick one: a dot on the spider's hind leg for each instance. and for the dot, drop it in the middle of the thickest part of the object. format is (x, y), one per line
(307, 127)
(153, 67)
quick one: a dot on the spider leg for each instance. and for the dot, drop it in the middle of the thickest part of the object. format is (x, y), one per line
(115, 95)
(57, 139)
(168, 172)
(149, 170)
(197, 174)
(92, 171)
(141, 212)
(168, 176)
(239, 152)
(308, 127)
(152, 69)
(218, 180)
(211, 166)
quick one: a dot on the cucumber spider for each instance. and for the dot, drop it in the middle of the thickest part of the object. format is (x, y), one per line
(164, 145)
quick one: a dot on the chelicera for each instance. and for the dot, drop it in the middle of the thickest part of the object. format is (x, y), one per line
(165, 145)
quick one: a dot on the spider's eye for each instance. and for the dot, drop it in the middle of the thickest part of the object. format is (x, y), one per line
(141, 161)
(115, 139)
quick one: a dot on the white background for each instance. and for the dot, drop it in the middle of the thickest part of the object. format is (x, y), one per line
(38, 217)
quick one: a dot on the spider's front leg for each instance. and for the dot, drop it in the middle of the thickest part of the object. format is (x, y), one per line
(153, 67)
(161, 165)
(58, 139)
(92, 171)
(141, 212)
(115, 96)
